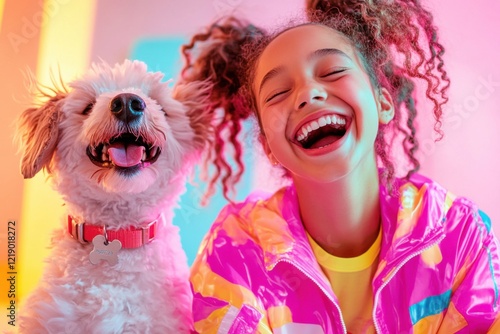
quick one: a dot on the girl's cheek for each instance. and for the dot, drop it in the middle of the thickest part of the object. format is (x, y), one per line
(274, 124)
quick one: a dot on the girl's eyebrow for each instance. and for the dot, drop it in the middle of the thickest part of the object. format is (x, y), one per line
(271, 74)
(327, 51)
(315, 54)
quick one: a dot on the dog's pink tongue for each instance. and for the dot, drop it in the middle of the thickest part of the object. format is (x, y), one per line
(125, 156)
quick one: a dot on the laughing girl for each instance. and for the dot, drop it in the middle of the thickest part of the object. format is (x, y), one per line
(347, 247)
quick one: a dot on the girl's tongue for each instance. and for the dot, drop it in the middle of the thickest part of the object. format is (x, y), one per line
(125, 155)
(325, 141)
(323, 136)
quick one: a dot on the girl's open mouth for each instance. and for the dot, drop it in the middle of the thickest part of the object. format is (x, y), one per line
(322, 132)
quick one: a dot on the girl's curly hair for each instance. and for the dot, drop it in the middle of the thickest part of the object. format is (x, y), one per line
(396, 40)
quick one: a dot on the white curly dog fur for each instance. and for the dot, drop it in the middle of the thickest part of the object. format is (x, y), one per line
(118, 145)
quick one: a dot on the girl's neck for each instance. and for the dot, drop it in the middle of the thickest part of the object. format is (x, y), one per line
(343, 216)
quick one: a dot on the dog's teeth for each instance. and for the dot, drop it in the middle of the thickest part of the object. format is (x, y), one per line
(152, 151)
(105, 155)
(144, 157)
(93, 151)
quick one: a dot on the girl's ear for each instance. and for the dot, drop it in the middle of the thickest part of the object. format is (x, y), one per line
(385, 107)
(267, 150)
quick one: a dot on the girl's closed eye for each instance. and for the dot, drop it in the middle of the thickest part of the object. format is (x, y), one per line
(333, 71)
(276, 94)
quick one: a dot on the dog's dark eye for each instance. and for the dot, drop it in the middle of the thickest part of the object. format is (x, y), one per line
(88, 109)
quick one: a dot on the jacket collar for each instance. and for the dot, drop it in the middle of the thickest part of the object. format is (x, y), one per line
(292, 240)
(412, 220)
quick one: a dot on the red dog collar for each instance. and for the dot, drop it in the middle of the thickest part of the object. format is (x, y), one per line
(133, 237)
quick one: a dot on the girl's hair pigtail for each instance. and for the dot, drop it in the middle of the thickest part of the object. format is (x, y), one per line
(216, 55)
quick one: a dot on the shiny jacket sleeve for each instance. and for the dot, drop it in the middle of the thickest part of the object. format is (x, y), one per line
(223, 301)
(475, 303)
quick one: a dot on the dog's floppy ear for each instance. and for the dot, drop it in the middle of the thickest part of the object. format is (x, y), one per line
(38, 132)
(195, 96)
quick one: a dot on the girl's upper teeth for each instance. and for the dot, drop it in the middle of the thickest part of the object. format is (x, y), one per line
(320, 122)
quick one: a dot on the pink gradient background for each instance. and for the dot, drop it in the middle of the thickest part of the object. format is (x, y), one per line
(466, 161)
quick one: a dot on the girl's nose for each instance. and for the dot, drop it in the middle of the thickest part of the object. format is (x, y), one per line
(310, 94)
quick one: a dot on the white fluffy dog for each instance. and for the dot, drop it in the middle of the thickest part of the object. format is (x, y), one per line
(117, 146)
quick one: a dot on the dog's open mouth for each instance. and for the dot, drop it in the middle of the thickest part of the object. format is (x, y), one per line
(125, 151)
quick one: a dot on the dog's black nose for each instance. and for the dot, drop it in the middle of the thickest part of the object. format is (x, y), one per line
(127, 107)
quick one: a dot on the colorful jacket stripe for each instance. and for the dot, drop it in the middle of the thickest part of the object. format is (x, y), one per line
(439, 269)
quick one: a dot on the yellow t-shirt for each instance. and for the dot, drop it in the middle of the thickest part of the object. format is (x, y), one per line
(351, 281)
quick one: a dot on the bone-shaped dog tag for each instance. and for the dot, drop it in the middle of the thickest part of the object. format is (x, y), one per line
(107, 251)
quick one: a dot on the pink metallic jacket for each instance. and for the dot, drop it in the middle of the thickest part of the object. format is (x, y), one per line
(439, 269)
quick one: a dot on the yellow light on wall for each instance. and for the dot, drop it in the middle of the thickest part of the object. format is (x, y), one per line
(2, 3)
(65, 44)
